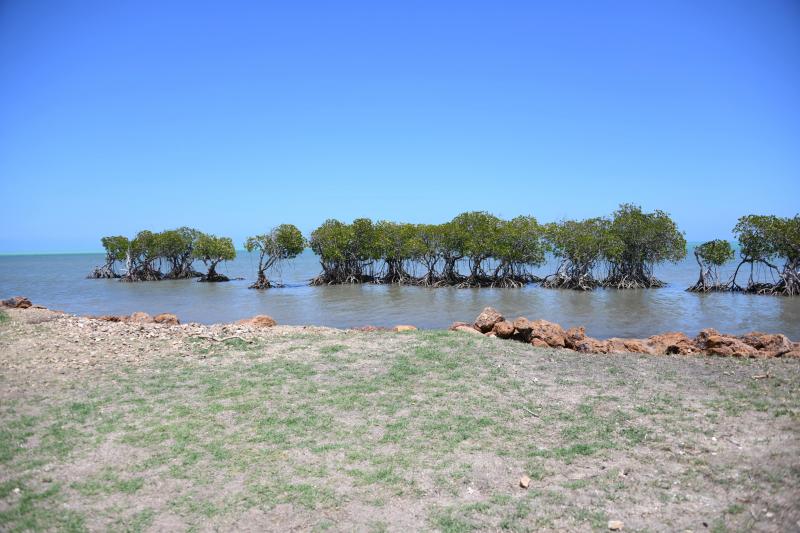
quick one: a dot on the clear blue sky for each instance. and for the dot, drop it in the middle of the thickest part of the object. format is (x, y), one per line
(234, 117)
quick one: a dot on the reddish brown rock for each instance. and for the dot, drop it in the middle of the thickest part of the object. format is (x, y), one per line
(259, 321)
(541, 333)
(553, 334)
(487, 319)
(615, 345)
(504, 329)
(522, 325)
(704, 334)
(673, 342)
(592, 345)
(455, 325)
(770, 345)
(140, 316)
(17, 302)
(727, 346)
(467, 329)
(166, 318)
(574, 337)
(539, 343)
(795, 353)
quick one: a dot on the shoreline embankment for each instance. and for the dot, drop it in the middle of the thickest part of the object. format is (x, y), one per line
(489, 323)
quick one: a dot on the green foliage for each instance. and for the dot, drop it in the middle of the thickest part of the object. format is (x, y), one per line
(332, 240)
(145, 246)
(116, 247)
(396, 242)
(363, 245)
(714, 253)
(755, 233)
(282, 243)
(172, 243)
(645, 240)
(520, 242)
(581, 245)
(176, 247)
(211, 249)
(476, 234)
(765, 238)
(582, 242)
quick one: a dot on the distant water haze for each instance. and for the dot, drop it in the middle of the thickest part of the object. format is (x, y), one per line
(59, 282)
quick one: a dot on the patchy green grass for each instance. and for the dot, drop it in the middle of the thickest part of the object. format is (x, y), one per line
(424, 430)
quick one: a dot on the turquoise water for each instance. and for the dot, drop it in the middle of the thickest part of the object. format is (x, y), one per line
(59, 282)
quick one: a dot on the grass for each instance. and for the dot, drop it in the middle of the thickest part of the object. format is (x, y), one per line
(432, 428)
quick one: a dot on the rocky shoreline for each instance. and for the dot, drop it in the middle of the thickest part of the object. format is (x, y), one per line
(709, 341)
(490, 323)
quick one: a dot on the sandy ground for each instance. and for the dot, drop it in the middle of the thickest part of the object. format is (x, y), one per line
(146, 427)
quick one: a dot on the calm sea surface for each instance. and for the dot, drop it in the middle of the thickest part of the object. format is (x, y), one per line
(59, 282)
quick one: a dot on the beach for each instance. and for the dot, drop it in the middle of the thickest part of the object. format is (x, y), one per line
(143, 426)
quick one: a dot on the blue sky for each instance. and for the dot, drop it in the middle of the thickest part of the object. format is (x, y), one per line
(234, 117)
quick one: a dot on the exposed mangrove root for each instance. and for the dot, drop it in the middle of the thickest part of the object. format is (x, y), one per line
(185, 271)
(564, 281)
(633, 282)
(706, 285)
(514, 282)
(213, 277)
(264, 283)
(142, 272)
(261, 283)
(103, 272)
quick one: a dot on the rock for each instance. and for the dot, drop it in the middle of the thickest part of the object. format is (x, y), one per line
(615, 345)
(524, 482)
(615, 525)
(487, 319)
(522, 325)
(591, 345)
(404, 327)
(539, 343)
(727, 346)
(467, 329)
(673, 342)
(112, 318)
(258, 321)
(455, 325)
(574, 336)
(553, 334)
(166, 318)
(17, 302)
(703, 336)
(504, 329)
(770, 345)
(140, 317)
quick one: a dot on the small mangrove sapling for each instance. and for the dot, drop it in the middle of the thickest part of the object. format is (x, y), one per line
(282, 243)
